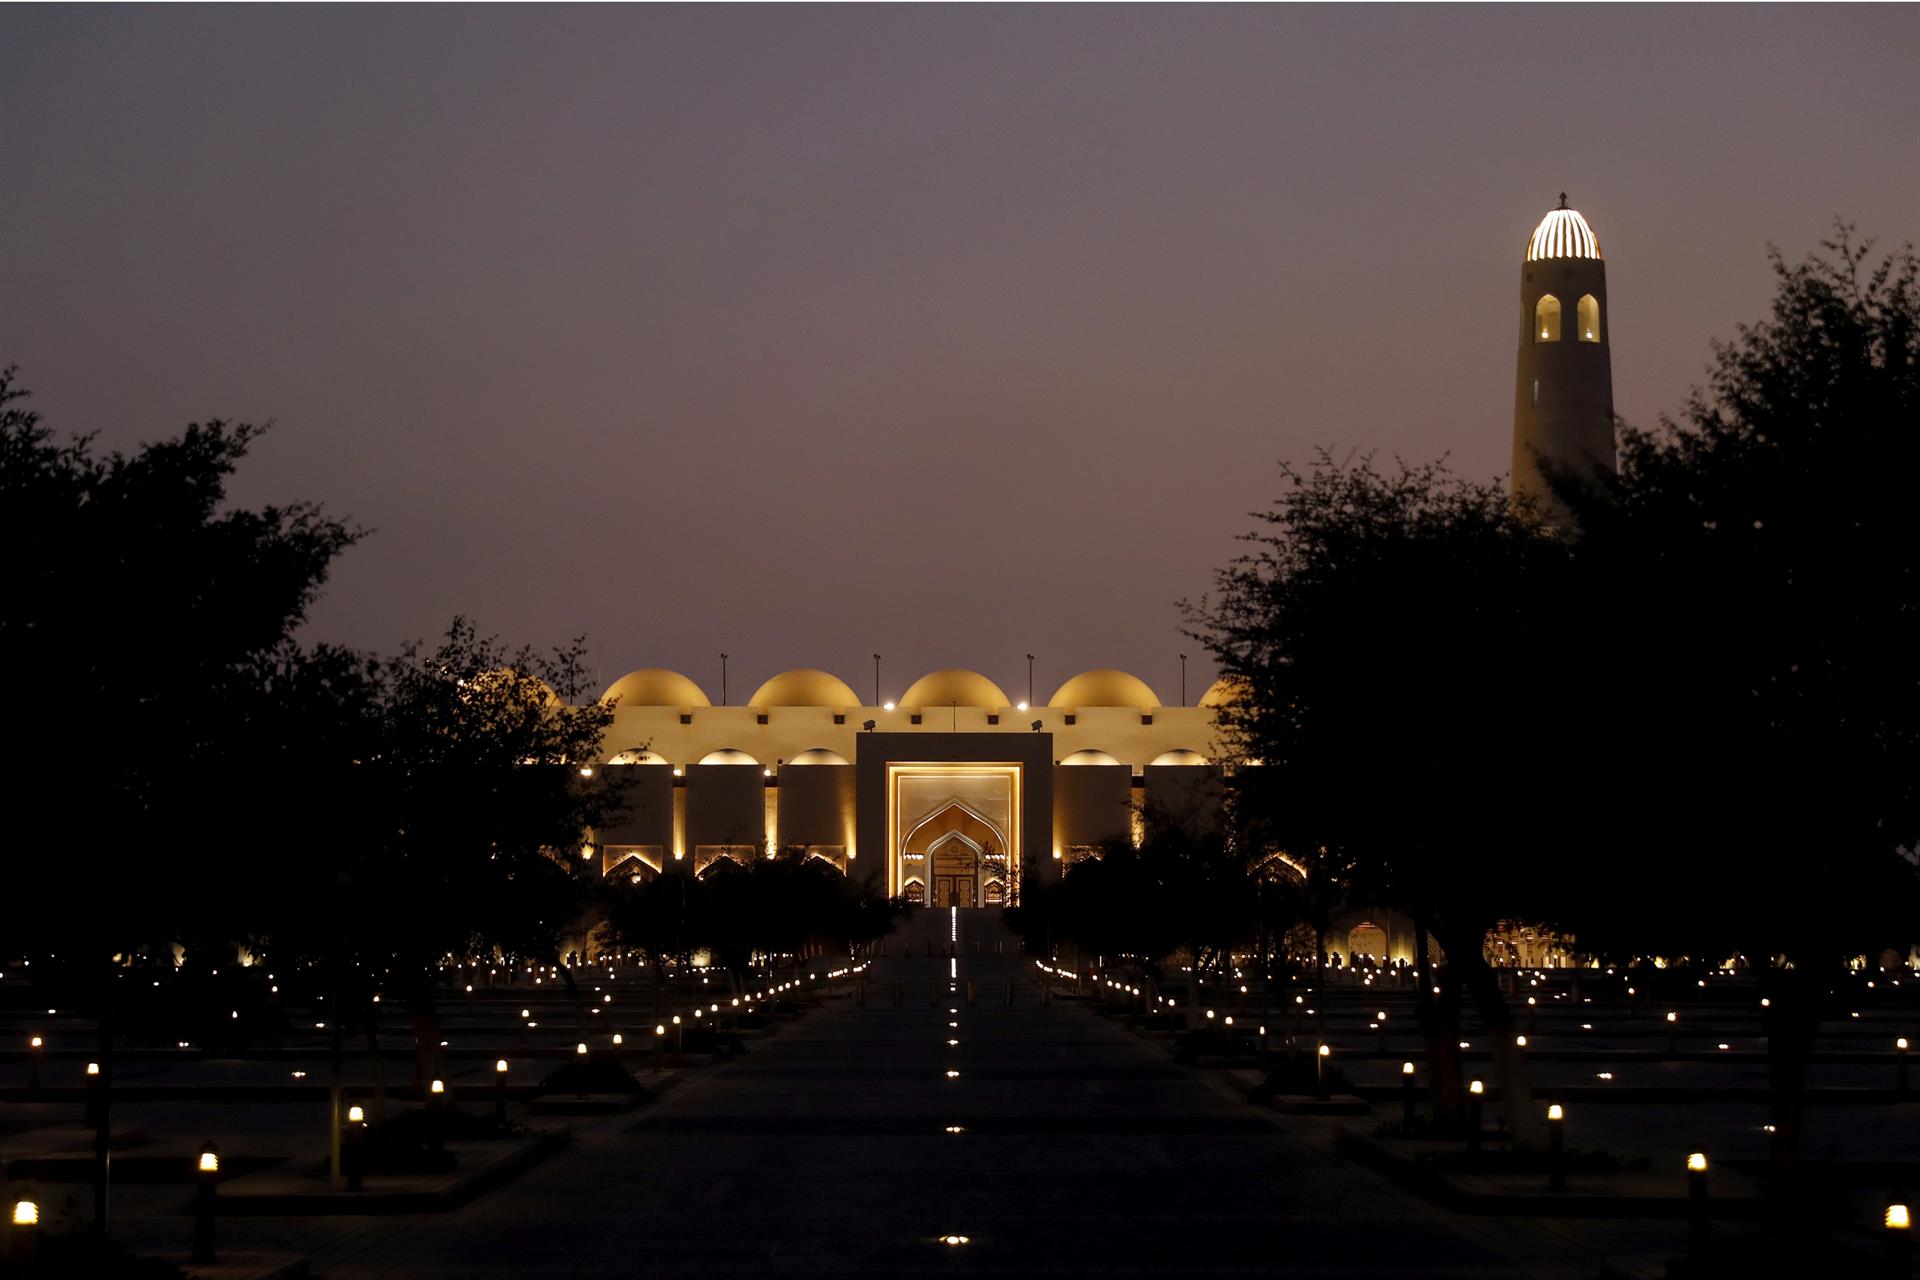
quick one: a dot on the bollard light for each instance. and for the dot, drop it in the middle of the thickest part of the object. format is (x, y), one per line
(580, 1049)
(1897, 1219)
(93, 1068)
(618, 1039)
(500, 1067)
(1520, 1041)
(26, 1213)
(437, 1087)
(356, 1115)
(1556, 1147)
(209, 1168)
(1696, 1204)
(1406, 1069)
(1476, 1090)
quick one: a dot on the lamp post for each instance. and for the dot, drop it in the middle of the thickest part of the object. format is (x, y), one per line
(723, 679)
(1556, 1147)
(1697, 1204)
(1029, 680)
(1476, 1096)
(1900, 1067)
(1183, 679)
(1320, 1060)
(207, 1175)
(102, 1154)
(1897, 1225)
(352, 1137)
(436, 1104)
(500, 1090)
(26, 1234)
(1406, 1098)
(1673, 1031)
(659, 1038)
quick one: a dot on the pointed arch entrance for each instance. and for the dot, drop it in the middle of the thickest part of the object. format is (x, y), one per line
(954, 829)
(963, 853)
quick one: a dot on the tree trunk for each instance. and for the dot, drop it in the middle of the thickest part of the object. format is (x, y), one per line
(1511, 1061)
(1792, 1019)
(1320, 983)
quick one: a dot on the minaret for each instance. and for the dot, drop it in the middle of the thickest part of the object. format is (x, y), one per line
(1563, 385)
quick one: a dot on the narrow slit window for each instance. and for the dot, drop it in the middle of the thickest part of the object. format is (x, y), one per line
(1588, 314)
(1546, 319)
(1536, 391)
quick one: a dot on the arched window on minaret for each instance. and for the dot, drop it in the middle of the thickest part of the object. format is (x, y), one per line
(1546, 319)
(1588, 314)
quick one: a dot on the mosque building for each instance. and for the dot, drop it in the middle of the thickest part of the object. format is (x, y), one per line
(953, 794)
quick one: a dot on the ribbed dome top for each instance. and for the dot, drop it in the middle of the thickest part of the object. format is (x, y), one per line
(1563, 233)
(804, 687)
(1225, 690)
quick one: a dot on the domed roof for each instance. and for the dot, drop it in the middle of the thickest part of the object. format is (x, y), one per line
(1563, 233)
(1224, 690)
(1105, 687)
(655, 687)
(954, 685)
(507, 681)
(804, 687)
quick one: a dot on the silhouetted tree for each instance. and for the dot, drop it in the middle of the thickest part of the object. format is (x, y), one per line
(1749, 652)
(1393, 634)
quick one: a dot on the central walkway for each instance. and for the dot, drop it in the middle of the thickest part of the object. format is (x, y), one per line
(825, 1152)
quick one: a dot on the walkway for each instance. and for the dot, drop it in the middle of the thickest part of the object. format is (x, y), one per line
(825, 1152)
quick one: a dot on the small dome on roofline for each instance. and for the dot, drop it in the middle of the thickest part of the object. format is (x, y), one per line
(655, 687)
(1105, 687)
(1225, 690)
(804, 687)
(953, 685)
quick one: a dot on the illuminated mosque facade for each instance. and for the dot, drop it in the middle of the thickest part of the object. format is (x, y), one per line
(954, 790)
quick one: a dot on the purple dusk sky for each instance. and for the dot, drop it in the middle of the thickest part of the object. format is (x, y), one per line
(950, 333)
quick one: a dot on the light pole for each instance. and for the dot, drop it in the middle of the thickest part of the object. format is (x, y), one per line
(723, 679)
(208, 1175)
(876, 679)
(1556, 1148)
(1183, 679)
(1697, 1204)
(26, 1233)
(1029, 679)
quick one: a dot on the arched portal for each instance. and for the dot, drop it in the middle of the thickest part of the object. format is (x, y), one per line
(957, 854)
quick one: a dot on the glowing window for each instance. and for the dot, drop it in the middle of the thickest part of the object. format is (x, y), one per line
(1588, 313)
(1546, 319)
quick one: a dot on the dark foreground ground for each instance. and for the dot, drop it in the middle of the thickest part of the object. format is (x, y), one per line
(825, 1152)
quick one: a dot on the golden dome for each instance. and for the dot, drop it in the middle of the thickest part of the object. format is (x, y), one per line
(1223, 691)
(804, 687)
(1563, 233)
(1105, 687)
(953, 685)
(655, 687)
(507, 681)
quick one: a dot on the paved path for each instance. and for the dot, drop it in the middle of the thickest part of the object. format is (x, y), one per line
(825, 1153)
